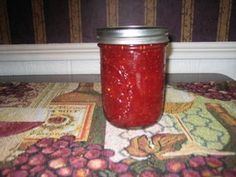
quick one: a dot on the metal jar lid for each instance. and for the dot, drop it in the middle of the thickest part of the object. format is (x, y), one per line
(132, 35)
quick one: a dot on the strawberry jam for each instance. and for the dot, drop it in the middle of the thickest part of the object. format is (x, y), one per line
(132, 77)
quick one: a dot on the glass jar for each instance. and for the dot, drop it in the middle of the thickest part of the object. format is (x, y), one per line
(132, 74)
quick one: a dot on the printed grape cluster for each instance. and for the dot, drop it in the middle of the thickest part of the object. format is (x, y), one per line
(8, 89)
(64, 157)
(224, 91)
(195, 166)
(199, 166)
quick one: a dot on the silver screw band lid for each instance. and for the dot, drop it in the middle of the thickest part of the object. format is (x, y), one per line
(132, 35)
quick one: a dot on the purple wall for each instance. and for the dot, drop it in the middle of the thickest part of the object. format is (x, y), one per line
(60, 21)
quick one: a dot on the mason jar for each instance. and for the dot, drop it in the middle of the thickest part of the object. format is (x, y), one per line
(132, 74)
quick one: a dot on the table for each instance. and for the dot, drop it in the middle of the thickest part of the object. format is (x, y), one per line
(177, 77)
(54, 126)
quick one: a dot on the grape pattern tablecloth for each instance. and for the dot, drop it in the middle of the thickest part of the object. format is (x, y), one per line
(58, 129)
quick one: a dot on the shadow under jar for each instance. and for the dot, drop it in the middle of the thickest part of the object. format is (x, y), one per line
(132, 74)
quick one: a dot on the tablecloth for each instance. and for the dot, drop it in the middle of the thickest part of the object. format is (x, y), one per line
(58, 129)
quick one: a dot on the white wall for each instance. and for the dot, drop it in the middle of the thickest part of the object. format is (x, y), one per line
(83, 58)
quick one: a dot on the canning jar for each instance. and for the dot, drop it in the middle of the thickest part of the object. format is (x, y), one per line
(132, 74)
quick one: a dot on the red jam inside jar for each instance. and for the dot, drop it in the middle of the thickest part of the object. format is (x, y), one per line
(132, 77)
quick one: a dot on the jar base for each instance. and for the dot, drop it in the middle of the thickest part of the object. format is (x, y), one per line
(133, 127)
